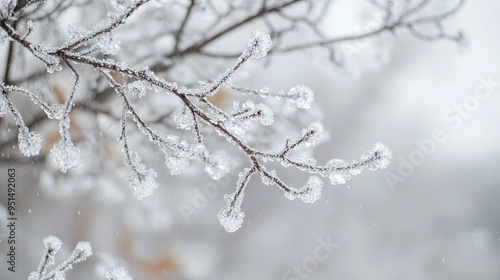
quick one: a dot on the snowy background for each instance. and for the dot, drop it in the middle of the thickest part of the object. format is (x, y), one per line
(441, 222)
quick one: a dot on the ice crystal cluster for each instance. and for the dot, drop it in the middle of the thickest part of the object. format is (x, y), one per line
(65, 155)
(30, 143)
(100, 74)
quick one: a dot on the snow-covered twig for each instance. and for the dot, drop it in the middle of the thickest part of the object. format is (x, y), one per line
(52, 245)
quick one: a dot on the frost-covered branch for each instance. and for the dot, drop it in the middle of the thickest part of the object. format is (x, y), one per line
(52, 245)
(64, 153)
(142, 181)
(30, 143)
(140, 78)
(82, 251)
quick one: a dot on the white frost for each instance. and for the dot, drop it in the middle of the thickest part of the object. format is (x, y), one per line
(312, 134)
(217, 166)
(65, 155)
(266, 116)
(108, 44)
(77, 32)
(52, 242)
(30, 143)
(231, 217)
(136, 88)
(82, 251)
(259, 44)
(309, 193)
(300, 96)
(184, 118)
(339, 172)
(176, 163)
(118, 273)
(55, 111)
(384, 156)
(4, 106)
(141, 180)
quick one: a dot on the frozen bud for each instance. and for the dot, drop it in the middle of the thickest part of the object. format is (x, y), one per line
(52, 244)
(143, 182)
(301, 96)
(312, 190)
(30, 25)
(176, 163)
(230, 216)
(259, 44)
(377, 157)
(82, 251)
(65, 155)
(184, 119)
(30, 143)
(217, 166)
(265, 113)
(312, 134)
(199, 150)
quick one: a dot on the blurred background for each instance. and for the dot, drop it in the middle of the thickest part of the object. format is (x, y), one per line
(433, 214)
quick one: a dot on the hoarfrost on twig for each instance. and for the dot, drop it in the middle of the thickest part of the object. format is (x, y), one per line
(52, 244)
